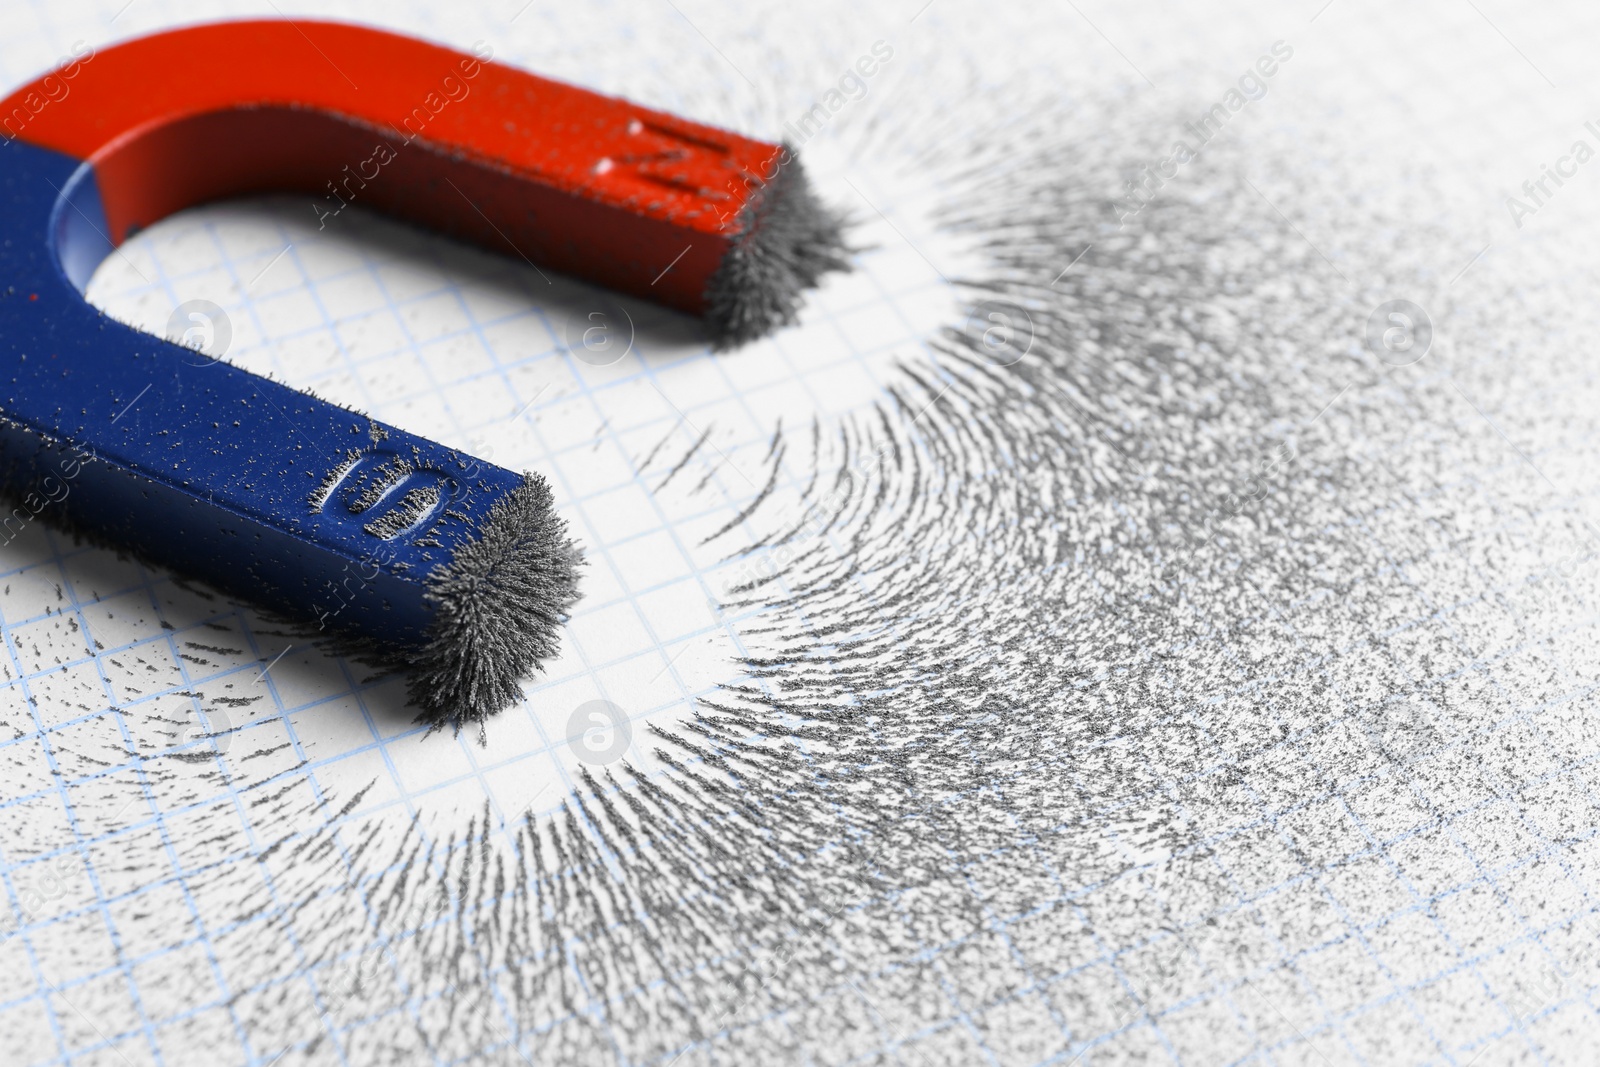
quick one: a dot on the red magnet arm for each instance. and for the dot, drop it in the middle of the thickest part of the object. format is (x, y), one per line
(588, 184)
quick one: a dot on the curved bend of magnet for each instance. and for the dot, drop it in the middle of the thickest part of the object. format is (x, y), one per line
(232, 477)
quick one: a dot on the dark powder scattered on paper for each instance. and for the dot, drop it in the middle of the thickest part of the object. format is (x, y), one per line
(1154, 689)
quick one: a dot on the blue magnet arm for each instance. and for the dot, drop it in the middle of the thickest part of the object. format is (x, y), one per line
(262, 491)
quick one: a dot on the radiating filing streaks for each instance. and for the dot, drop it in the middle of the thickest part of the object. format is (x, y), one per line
(1195, 686)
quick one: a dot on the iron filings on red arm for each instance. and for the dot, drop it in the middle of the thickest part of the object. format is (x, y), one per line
(788, 241)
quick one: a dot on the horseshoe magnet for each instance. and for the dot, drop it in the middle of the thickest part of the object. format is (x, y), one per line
(455, 569)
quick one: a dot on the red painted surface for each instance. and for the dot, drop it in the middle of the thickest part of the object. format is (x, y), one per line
(566, 178)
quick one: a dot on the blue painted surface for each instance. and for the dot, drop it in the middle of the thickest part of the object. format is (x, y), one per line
(199, 466)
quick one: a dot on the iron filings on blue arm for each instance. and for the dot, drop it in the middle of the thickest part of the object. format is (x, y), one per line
(423, 557)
